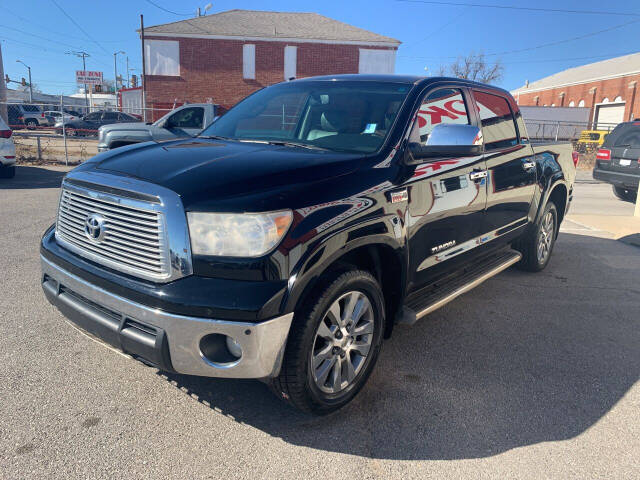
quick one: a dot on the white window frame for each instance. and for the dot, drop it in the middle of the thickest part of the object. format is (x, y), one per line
(249, 61)
(290, 62)
(162, 57)
(376, 61)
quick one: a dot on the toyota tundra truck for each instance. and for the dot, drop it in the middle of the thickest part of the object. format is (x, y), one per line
(286, 241)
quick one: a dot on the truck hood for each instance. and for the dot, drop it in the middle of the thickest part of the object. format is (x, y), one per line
(204, 171)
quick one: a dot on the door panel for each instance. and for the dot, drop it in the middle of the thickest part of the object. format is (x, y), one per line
(510, 163)
(446, 205)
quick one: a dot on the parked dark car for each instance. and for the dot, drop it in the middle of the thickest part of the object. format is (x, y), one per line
(618, 161)
(286, 240)
(91, 122)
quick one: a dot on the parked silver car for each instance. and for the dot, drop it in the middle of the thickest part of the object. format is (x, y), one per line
(185, 121)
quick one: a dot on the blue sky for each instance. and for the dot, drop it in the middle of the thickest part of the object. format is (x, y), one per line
(38, 33)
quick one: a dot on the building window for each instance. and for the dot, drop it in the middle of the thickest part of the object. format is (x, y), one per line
(162, 57)
(581, 103)
(618, 99)
(605, 100)
(376, 61)
(572, 103)
(290, 62)
(249, 61)
(553, 104)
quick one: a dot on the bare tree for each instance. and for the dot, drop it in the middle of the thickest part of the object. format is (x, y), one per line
(475, 67)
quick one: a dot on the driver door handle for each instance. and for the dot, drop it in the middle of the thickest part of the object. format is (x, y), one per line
(528, 165)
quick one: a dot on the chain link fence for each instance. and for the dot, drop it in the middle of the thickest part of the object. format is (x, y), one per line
(68, 134)
(65, 134)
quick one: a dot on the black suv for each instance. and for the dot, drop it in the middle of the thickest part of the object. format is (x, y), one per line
(618, 160)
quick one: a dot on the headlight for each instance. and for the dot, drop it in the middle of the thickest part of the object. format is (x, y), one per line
(237, 234)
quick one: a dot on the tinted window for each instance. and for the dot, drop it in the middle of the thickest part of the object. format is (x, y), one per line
(30, 108)
(110, 117)
(342, 116)
(442, 106)
(187, 118)
(498, 126)
(625, 135)
(93, 116)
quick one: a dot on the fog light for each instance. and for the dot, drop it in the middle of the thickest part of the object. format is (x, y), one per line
(219, 350)
(234, 347)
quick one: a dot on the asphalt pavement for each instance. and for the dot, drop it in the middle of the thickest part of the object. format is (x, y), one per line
(528, 376)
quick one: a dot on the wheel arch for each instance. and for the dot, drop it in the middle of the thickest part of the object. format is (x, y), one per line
(378, 255)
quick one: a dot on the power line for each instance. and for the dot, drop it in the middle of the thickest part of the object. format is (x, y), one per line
(77, 25)
(48, 28)
(558, 42)
(511, 7)
(169, 11)
(610, 55)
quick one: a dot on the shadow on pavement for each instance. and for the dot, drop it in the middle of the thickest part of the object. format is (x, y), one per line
(28, 177)
(524, 358)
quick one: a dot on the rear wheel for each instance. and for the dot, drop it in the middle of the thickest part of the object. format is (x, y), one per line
(333, 344)
(31, 124)
(71, 132)
(625, 194)
(537, 245)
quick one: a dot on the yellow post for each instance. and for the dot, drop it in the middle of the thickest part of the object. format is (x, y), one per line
(636, 213)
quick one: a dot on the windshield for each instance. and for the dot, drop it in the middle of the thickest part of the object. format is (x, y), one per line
(341, 116)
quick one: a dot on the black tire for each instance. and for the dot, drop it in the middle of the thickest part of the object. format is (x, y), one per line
(296, 384)
(624, 194)
(529, 243)
(8, 172)
(31, 124)
(71, 132)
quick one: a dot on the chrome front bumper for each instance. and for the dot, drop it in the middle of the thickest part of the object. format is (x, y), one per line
(155, 335)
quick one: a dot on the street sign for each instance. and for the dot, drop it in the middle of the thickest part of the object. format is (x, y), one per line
(88, 77)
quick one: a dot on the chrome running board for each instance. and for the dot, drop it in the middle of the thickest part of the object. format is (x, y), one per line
(429, 299)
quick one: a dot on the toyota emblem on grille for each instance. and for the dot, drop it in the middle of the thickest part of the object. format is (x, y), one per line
(94, 227)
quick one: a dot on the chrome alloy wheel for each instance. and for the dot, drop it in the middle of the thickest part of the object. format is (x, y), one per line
(342, 342)
(545, 237)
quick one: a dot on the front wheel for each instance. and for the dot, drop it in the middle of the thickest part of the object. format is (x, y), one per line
(537, 245)
(333, 344)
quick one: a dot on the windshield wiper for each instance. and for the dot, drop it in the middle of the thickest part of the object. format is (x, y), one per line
(295, 144)
(214, 137)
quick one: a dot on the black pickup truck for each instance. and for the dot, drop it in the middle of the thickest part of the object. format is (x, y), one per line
(286, 240)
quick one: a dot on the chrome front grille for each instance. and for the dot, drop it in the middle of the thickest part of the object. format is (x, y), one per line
(131, 238)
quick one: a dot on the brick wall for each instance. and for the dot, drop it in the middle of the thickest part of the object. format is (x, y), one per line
(211, 70)
(610, 88)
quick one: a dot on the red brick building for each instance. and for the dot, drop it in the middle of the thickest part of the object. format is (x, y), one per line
(608, 88)
(222, 58)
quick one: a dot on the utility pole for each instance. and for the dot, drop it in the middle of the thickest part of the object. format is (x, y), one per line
(144, 73)
(115, 73)
(3, 91)
(128, 78)
(82, 55)
(30, 87)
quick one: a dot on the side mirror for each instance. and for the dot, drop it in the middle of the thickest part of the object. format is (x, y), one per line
(449, 140)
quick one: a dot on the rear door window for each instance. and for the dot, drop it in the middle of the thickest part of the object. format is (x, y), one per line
(498, 125)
